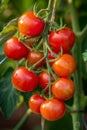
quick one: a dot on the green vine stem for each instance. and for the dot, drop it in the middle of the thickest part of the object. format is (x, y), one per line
(42, 123)
(50, 4)
(23, 120)
(77, 77)
(53, 12)
(46, 49)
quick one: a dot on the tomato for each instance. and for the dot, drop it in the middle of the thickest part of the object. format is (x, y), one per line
(65, 65)
(64, 38)
(31, 25)
(63, 88)
(35, 102)
(35, 56)
(24, 80)
(44, 79)
(14, 49)
(52, 109)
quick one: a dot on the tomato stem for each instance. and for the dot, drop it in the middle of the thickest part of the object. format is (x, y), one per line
(77, 76)
(51, 50)
(42, 123)
(53, 11)
(46, 48)
(39, 44)
(23, 120)
(82, 33)
(49, 4)
(34, 65)
(47, 62)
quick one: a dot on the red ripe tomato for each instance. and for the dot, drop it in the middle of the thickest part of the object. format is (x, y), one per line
(44, 79)
(24, 80)
(35, 56)
(52, 109)
(64, 38)
(63, 88)
(35, 102)
(65, 65)
(14, 49)
(31, 25)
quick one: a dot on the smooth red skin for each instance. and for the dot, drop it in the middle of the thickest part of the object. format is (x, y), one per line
(35, 102)
(35, 56)
(44, 79)
(14, 49)
(63, 88)
(30, 25)
(64, 38)
(52, 109)
(24, 80)
(65, 65)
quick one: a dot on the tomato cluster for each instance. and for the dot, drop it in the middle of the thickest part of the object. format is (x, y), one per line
(48, 64)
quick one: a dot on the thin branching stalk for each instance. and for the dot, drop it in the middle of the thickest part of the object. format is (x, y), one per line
(53, 12)
(23, 120)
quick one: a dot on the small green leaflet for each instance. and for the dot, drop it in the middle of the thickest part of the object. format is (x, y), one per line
(84, 54)
(8, 95)
(12, 25)
(3, 58)
(8, 31)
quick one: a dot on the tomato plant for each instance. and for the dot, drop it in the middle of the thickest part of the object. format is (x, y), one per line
(42, 52)
(52, 109)
(35, 102)
(63, 88)
(30, 24)
(24, 80)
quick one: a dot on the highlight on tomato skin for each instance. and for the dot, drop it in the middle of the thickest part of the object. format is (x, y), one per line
(35, 102)
(14, 49)
(52, 109)
(30, 24)
(63, 38)
(63, 88)
(24, 80)
(65, 65)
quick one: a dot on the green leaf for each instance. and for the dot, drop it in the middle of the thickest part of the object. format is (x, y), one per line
(84, 56)
(3, 58)
(8, 95)
(8, 31)
(3, 4)
(6, 65)
(12, 25)
(27, 96)
(25, 5)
